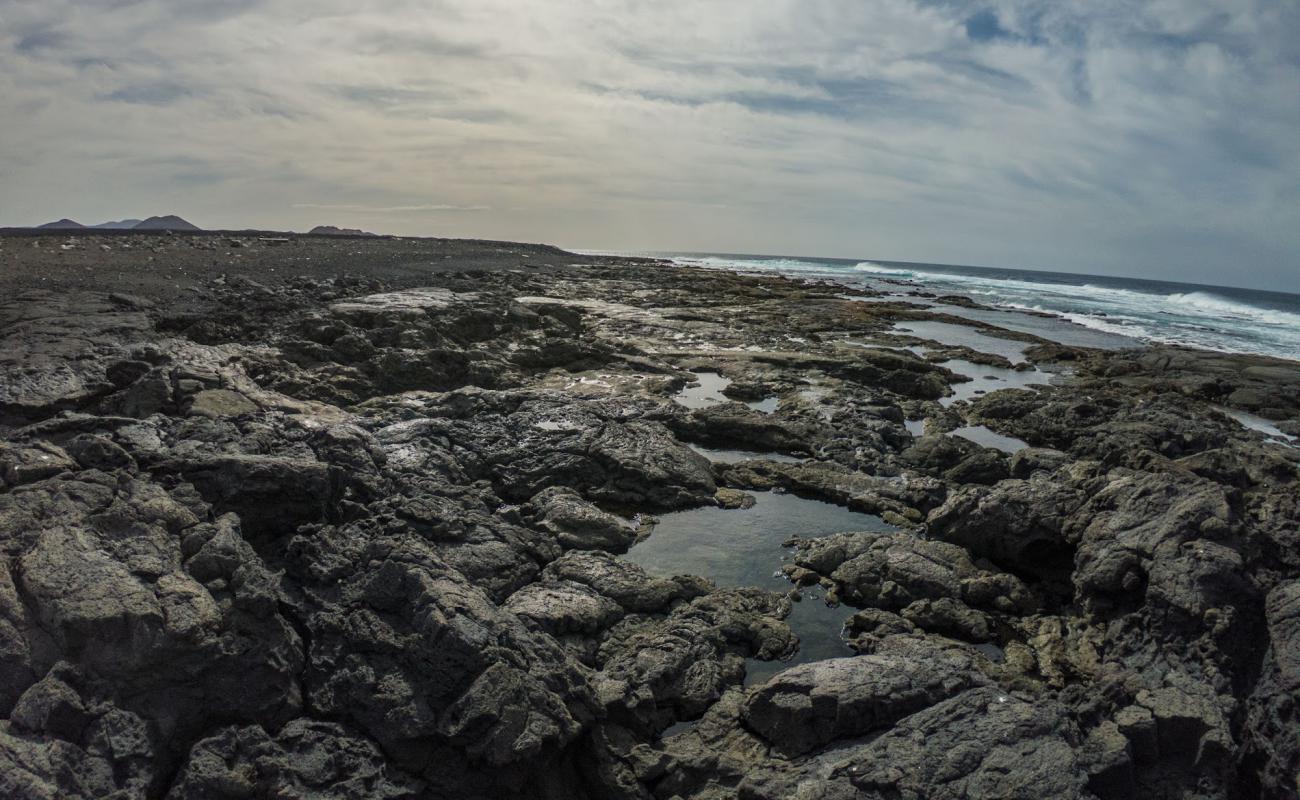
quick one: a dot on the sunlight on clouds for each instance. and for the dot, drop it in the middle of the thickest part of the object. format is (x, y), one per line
(1091, 136)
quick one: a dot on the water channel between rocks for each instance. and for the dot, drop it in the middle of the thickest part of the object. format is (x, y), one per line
(707, 389)
(985, 379)
(737, 456)
(960, 335)
(744, 548)
(1251, 422)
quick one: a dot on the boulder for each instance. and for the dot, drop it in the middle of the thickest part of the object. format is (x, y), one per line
(811, 705)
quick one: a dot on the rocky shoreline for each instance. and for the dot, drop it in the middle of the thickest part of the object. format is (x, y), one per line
(356, 527)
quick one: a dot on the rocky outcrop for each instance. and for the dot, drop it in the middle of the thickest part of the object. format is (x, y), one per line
(363, 537)
(814, 704)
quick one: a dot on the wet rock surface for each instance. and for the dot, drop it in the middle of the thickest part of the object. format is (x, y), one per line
(357, 530)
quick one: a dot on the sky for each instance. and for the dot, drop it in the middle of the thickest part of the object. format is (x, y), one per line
(1156, 139)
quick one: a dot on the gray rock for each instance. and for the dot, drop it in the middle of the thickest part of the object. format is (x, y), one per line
(21, 464)
(564, 607)
(1272, 737)
(623, 582)
(579, 525)
(891, 571)
(305, 759)
(981, 744)
(1024, 463)
(811, 705)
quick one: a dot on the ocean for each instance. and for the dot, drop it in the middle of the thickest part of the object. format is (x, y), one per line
(1089, 310)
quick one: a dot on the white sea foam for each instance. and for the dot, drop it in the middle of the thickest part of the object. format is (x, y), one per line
(1195, 317)
(782, 265)
(879, 269)
(1213, 305)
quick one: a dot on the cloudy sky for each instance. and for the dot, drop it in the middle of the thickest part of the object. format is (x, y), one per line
(1157, 138)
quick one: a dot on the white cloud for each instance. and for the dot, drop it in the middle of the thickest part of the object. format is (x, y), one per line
(1088, 136)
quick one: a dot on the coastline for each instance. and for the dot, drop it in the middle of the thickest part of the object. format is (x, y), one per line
(369, 501)
(1221, 318)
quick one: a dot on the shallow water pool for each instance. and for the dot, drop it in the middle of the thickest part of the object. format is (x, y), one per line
(736, 456)
(960, 335)
(1254, 423)
(744, 548)
(985, 378)
(705, 392)
(984, 437)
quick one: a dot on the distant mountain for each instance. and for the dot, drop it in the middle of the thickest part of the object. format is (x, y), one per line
(63, 223)
(330, 230)
(170, 222)
(121, 225)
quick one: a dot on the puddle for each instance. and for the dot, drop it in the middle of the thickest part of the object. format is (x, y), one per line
(987, 379)
(743, 548)
(915, 349)
(1254, 423)
(984, 437)
(736, 456)
(706, 392)
(959, 335)
(1053, 329)
(916, 427)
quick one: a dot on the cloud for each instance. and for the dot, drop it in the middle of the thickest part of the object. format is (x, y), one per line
(1093, 136)
(154, 94)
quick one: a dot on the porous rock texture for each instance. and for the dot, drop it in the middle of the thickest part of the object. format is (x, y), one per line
(356, 536)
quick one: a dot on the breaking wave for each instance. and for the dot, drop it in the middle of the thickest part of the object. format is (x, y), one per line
(1230, 320)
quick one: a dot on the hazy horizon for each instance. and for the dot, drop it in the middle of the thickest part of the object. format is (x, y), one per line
(1092, 138)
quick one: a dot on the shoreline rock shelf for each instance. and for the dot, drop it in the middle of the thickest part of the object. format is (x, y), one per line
(363, 530)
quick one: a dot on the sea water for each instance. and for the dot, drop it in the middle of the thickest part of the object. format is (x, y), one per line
(1087, 310)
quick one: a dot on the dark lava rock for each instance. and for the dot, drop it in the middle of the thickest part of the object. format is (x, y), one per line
(355, 535)
(815, 704)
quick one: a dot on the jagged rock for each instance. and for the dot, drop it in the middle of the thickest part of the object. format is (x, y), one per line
(1188, 727)
(734, 499)
(814, 704)
(384, 500)
(738, 424)
(65, 740)
(656, 670)
(979, 744)
(1017, 524)
(1273, 738)
(217, 403)
(55, 349)
(305, 759)
(271, 494)
(623, 582)
(579, 525)
(403, 647)
(98, 452)
(21, 464)
(564, 607)
(891, 571)
(1024, 463)
(938, 452)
